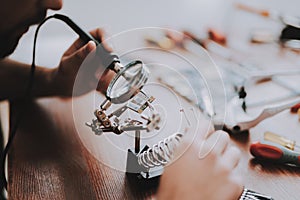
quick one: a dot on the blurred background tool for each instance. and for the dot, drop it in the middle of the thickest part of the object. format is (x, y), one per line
(270, 151)
(215, 44)
(217, 36)
(290, 34)
(278, 139)
(262, 12)
(272, 14)
(295, 108)
(237, 121)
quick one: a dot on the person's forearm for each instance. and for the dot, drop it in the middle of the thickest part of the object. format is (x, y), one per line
(14, 79)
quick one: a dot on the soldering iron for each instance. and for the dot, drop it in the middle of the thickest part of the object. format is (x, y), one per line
(108, 59)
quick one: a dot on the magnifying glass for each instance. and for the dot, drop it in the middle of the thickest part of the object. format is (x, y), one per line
(128, 81)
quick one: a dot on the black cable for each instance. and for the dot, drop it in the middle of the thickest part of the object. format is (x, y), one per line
(19, 117)
(108, 59)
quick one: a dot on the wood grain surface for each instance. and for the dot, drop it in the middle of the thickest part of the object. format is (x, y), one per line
(48, 161)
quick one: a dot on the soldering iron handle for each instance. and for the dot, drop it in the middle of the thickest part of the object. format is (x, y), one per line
(108, 58)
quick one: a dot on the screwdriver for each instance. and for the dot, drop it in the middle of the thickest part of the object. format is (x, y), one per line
(270, 151)
(285, 142)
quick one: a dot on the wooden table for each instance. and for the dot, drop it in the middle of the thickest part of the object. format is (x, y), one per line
(48, 160)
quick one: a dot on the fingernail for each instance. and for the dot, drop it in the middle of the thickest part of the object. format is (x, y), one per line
(91, 45)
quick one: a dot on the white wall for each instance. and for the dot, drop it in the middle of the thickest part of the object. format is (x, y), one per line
(116, 16)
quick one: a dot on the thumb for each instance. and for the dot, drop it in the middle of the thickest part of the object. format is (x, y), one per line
(78, 56)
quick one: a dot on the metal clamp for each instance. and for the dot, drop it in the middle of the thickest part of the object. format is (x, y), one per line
(251, 195)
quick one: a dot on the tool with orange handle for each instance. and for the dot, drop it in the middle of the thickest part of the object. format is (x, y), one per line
(270, 151)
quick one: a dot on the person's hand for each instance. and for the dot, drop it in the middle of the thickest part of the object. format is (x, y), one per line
(206, 170)
(73, 77)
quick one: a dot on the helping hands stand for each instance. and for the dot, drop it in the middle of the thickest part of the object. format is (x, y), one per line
(126, 88)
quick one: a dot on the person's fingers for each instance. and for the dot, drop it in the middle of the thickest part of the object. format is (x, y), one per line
(218, 141)
(222, 141)
(195, 125)
(77, 57)
(231, 157)
(97, 34)
(215, 144)
(74, 47)
(212, 129)
(104, 80)
(237, 187)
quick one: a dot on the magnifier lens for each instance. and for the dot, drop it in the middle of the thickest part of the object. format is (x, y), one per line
(128, 82)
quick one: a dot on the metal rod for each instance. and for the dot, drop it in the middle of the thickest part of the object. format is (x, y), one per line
(137, 141)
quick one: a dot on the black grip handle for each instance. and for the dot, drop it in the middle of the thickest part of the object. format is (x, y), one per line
(108, 58)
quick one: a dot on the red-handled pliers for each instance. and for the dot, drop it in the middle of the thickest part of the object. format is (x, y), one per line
(274, 152)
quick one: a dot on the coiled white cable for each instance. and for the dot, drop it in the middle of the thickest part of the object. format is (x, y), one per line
(161, 153)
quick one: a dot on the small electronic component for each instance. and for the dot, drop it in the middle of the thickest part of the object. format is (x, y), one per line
(140, 102)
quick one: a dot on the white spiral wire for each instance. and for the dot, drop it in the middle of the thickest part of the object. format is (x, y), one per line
(161, 153)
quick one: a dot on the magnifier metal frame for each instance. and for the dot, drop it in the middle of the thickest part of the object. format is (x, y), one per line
(133, 87)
